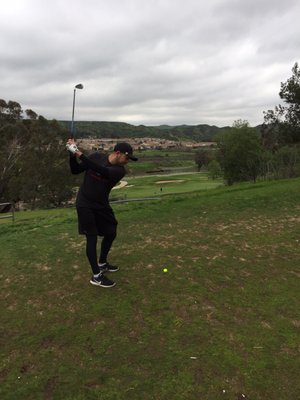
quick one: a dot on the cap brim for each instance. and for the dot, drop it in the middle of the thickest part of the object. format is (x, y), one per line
(133, 158)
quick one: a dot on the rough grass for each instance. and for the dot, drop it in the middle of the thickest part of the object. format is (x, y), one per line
(223, 323)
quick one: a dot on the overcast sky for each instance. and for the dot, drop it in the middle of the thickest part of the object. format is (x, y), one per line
(148, 62)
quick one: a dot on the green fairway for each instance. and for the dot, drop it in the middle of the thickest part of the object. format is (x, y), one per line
(222, 323)
(159, 185)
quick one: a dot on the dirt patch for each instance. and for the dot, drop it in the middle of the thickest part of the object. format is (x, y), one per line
(50, 388)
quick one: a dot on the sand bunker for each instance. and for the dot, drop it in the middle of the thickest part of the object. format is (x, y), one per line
(173, 181)
(120, 185)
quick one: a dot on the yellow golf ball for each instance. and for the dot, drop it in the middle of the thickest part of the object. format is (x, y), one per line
(165, 269)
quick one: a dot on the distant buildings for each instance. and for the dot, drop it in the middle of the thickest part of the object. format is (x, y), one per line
(105, 144)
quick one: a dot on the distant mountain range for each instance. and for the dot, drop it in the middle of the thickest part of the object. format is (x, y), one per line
(119, 130)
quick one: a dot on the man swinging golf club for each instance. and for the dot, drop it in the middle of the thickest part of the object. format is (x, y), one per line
(95, 216)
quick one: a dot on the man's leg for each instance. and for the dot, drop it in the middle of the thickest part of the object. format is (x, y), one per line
(91, 252)
(106, 244)
(98, 278)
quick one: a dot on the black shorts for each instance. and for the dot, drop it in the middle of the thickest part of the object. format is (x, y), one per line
(96, 222)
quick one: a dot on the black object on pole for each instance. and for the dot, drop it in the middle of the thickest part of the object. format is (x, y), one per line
(79, 86)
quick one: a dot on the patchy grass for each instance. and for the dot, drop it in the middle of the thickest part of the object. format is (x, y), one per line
(223, 323)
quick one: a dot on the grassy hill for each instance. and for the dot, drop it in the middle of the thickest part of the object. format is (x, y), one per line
(223, 323)
(103, 129)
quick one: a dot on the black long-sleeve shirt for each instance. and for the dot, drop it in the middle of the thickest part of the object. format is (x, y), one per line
(100, 177)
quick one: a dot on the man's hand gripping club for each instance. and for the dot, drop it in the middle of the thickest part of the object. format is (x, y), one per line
(72, 148)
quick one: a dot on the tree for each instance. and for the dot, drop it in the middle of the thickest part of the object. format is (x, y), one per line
(15, 140)
(240, 153)
(214, 169)
(3, 109)
(42, 180)
(286, 161)
(33, 160)
(203, 157)
(31, 114)
(240, 124)
(282, 125)
(14, 111)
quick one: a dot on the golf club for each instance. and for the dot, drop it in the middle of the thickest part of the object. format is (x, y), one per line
(78, 86)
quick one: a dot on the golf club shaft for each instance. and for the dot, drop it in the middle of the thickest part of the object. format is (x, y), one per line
(72, 122)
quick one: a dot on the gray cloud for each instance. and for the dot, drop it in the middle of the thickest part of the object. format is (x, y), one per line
(148, 62)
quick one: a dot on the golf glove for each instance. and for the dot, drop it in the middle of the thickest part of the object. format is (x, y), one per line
(72, 148)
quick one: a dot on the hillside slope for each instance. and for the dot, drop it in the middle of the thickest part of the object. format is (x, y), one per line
(103, 129)
(222, 323)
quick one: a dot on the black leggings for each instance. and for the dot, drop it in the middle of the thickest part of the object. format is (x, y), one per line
(91, 250)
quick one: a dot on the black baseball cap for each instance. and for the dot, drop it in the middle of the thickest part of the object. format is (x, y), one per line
(126, 149)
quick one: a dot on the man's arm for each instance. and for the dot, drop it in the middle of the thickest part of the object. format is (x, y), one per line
(110, 173)
(75, 167)
(88, 163)
(114, 174)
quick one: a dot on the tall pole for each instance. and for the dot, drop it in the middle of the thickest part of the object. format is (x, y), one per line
(79, 86)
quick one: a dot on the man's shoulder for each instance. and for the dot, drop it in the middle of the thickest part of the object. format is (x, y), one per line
(121, 170)
(97, 156)
(118, 172)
